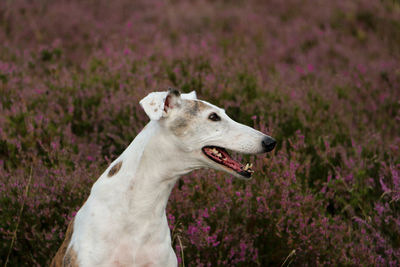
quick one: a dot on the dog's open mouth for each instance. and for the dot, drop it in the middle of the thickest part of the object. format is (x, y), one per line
(221, 156)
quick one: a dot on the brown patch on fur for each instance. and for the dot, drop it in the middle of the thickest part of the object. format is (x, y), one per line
(194, 106)
(64, 258)
(114, 169)
(179, 125)
(190, 109)
(70, 259)
(174, 92)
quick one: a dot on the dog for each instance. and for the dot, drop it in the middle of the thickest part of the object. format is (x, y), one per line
(123, 222)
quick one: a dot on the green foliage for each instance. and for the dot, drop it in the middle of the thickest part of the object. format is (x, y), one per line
(321, 78)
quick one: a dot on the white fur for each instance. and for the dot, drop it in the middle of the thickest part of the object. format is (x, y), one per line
(153, 103)
(123, 222)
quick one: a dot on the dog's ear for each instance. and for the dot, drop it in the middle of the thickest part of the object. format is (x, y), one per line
(190, 96)
(158, 104)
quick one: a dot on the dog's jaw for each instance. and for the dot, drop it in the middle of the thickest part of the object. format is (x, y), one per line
(220, 158)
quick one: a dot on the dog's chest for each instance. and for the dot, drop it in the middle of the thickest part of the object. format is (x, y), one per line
(122, 246)
(130, 254)
(122, 254)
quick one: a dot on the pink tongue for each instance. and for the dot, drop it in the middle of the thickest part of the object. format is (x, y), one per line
(233, 164)
(229, 162)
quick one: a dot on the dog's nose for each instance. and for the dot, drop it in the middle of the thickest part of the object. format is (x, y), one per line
(268, 144)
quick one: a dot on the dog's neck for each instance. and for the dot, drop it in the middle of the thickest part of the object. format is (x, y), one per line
(126, 208)
(150, 167)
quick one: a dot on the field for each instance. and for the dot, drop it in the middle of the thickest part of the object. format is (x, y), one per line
(321, 77)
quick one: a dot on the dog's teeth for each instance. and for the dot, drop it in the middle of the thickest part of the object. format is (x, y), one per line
(246, 167)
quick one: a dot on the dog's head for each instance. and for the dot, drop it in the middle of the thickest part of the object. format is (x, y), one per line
(204, 132)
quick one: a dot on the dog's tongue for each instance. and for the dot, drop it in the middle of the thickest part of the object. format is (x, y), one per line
(229, 161)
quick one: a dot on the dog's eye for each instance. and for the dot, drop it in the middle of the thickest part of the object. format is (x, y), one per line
(214, 117)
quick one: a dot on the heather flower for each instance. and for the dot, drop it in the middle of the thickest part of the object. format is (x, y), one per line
(70, 86)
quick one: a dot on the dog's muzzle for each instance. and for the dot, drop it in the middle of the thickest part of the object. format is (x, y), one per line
(268, 144)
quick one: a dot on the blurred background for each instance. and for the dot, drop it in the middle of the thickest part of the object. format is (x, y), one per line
(321, 77)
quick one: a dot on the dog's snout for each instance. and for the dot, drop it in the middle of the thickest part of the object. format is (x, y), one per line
(268, 144)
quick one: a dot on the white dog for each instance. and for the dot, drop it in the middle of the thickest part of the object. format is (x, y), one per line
(123, 222)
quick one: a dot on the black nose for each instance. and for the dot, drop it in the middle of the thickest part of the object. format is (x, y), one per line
(268, 144)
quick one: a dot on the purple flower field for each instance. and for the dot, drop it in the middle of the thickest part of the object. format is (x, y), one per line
(321, 77)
